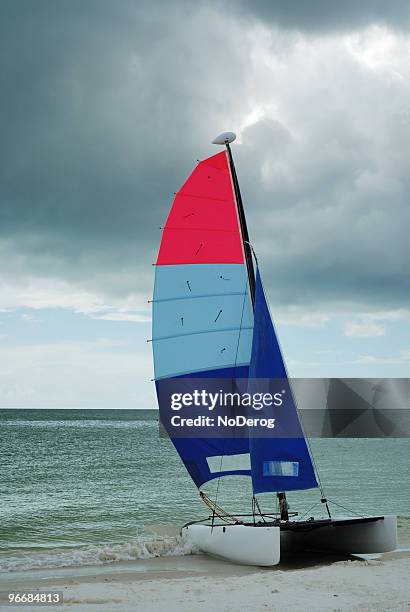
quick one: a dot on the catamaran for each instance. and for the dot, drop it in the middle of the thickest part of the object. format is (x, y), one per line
(211, 320)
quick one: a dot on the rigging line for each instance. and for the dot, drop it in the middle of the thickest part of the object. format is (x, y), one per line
(219, 512)
(241, 321)
(259, 508)
(250, 277)
(298, 411)
(344, 508)
(235, 368)
(323, 498)
(253, 251)
(217, 491)
(307, 511)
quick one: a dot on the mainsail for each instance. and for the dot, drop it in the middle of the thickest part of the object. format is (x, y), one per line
(202, 311)
(204, 326)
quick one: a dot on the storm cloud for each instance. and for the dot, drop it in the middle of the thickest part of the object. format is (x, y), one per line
(323, 16)
(105, 108)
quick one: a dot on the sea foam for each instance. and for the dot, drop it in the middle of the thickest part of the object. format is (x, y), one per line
(139, 548)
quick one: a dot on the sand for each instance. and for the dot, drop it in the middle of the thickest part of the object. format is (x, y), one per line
(198, 583)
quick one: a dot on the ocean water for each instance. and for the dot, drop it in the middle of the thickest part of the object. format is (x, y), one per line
(83, 487)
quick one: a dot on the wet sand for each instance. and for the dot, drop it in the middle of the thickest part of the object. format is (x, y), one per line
(199, 583)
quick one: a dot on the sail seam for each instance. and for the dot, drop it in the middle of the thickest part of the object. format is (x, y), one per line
(195, 374)
(206, 163)
(202, 229)
(204, 331)
(199, 197)
(195, 297)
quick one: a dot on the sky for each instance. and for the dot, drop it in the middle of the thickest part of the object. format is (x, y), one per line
(104, 109)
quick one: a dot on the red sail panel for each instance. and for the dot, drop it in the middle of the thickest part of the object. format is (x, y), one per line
(203, 226)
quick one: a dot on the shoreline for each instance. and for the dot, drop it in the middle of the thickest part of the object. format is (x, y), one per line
(199, 582)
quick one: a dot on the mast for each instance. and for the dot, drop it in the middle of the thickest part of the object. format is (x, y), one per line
(244, 227)
(226, 138)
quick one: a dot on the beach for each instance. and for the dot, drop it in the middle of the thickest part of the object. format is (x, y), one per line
(198, 582)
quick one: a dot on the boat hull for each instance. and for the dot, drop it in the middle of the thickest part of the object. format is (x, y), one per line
(261, 545)
(242, 544)
(349, 535)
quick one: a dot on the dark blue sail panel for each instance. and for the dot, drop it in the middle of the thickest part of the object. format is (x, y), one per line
(282, 462)
(209, 458)
(196, 454)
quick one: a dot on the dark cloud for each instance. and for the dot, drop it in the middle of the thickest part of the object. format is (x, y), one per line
(103, 110)
(325, 16)
(329, 218)
(106, 106)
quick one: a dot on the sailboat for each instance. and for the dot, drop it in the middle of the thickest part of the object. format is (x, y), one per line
(211, 320)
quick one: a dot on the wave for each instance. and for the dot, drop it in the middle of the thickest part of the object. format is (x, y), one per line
(99, 555)
(141, 548)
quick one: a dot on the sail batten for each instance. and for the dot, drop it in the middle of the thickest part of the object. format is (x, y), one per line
(204, 295)
(201, 331)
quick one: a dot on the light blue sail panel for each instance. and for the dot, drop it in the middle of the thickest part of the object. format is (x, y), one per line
(208, 314)
(173, 282)
(202, 318)
(198, 352)
(202, 327)
(278, 463)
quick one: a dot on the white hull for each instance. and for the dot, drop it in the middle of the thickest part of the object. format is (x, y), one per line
(261, 545)
(241, 544)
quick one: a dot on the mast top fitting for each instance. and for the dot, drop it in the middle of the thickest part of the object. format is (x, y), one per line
(224, 138)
